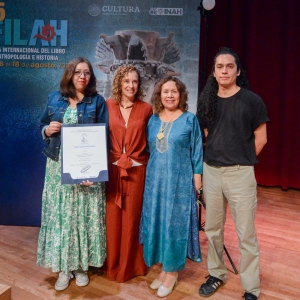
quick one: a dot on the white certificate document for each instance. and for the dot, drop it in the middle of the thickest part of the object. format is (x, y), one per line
(83, 153)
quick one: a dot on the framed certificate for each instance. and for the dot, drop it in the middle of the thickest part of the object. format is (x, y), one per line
(83, 153)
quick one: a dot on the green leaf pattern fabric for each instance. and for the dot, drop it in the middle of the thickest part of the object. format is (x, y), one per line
(72, 233)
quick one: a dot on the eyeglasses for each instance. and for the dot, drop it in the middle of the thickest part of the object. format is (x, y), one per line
(85, 74)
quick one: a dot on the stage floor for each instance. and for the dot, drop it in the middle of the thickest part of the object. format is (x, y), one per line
(278, 230)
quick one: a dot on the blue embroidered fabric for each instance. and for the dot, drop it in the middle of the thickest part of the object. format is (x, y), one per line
(169, 226)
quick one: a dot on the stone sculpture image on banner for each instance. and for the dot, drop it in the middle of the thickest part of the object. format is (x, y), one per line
(39, 38)
(152, 55)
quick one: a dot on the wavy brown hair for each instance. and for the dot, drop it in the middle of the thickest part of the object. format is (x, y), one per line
(156, 97)
(67, 88)
(116, 90)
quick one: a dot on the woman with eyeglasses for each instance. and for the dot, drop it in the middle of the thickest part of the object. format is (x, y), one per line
(72, 235)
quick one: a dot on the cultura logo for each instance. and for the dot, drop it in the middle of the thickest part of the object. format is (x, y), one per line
(163, 11)
(95, 10)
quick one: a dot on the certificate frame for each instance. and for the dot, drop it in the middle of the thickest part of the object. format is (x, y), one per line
(83, 153)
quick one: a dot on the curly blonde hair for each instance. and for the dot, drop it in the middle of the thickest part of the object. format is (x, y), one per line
(156, 97)
(116, 90)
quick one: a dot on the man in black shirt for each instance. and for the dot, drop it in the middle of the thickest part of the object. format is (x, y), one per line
(234, 123)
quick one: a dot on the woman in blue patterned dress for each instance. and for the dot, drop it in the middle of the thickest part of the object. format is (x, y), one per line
(72, 235)
(173, 175)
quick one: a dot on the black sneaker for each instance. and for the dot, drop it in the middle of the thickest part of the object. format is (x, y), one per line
(210, 286)
(249, 296)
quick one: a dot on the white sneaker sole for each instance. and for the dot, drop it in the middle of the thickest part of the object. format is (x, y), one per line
(61, 288)
(78, 283)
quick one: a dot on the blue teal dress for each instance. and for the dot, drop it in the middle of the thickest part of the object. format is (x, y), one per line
(170, 230)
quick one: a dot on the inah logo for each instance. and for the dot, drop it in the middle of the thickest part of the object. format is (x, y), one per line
(163, 11)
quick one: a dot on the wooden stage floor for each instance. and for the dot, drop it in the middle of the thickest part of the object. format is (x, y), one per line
(278, 229)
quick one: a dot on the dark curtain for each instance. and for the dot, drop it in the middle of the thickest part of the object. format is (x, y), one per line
(266, 35)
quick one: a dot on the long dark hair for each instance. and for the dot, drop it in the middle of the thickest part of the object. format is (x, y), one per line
(207, 102)
(67, 88)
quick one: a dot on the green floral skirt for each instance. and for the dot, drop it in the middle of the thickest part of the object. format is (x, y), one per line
(72, 233)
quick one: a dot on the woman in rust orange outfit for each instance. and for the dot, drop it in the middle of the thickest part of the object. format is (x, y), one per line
(128, 118)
